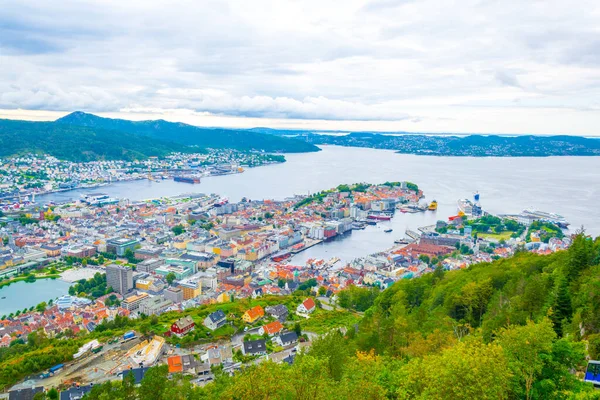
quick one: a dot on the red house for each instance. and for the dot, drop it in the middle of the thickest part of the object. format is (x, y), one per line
(182, 326)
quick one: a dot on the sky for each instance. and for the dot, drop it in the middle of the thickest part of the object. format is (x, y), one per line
(509, 66)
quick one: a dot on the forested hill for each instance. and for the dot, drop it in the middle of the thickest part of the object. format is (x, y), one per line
(519, 328)
(76, 143)
(216, 138)
(472, 145)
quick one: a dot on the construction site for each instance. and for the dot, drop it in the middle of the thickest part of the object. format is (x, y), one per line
(95, 363)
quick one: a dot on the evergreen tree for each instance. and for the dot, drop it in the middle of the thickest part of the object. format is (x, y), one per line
(562, 309)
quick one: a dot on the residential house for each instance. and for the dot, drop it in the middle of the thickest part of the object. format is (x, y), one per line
(182, 326)
(271, 329)
(180, 364)
(253, 314)
(254, 347)
(307, 306)
(278, 311)
(75, 392)
(25, 394)
(286, 339)
(215, 320)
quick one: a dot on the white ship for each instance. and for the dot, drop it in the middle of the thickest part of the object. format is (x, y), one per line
(546, 216)
(465, 206)
(98, 199)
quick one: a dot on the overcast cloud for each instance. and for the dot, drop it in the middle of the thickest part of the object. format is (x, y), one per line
(432, 65)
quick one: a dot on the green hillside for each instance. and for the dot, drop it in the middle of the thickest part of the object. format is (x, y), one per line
(216, 138)
(518, 328)
(77, 143)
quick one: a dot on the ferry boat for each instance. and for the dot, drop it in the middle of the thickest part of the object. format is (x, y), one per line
(187, 179)
(432, 206)
(281, 256)
(379, 216)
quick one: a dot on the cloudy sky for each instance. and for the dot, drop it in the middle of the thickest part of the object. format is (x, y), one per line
(508, 66)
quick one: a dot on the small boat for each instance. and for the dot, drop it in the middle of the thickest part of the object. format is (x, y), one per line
(388, 230)
(433, 206)
(3, 297)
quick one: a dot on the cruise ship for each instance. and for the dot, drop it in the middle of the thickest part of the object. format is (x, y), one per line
(546, 216)
(465, 206)
(98, 199)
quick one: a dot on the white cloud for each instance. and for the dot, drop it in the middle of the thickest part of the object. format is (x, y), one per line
(434, 65)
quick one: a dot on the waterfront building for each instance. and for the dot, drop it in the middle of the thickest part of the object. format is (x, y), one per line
(119, 278)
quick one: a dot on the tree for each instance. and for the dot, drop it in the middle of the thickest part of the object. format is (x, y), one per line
(322, 290)
(128, 387)
(170, 278)
(178, 229)
(469, 370)
(526, 348)
(52, 394)
(154, 383)
(424, 258)
(335, 349)
(562, 309)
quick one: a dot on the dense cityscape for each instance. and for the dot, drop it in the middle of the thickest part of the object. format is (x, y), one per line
(216, 277)
(299, 200)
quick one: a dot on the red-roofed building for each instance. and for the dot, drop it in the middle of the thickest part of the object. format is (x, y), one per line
(431, 250)
(271, 329)
(307, 306)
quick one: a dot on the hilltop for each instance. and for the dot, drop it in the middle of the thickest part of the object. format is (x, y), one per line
(76, 143)
(216, 138)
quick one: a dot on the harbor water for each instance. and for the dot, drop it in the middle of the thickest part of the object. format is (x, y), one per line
(565, 185)
(20, 295)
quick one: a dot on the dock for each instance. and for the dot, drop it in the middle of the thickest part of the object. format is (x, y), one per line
(413, 235)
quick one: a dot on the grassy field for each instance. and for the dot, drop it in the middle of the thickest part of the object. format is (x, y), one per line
(322, 321)
(496, 236)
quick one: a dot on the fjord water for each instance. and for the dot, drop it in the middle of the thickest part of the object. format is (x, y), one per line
(566, 185)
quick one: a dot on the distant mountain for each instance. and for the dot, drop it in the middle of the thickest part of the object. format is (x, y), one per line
(466, 146)
(216, 138)
(77, 143)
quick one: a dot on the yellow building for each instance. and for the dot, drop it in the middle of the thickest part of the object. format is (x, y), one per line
(180, 244)
(224, 298)
(253, 314)
(143, 284)
(191, 290)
